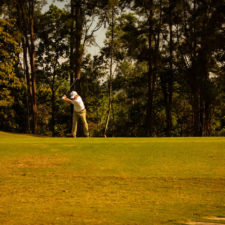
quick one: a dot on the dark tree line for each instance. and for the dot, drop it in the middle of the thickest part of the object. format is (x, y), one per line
(159, 73)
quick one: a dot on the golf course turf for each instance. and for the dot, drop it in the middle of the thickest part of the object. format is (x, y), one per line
(111, 181)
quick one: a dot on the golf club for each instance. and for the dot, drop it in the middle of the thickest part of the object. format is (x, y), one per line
(71, 87)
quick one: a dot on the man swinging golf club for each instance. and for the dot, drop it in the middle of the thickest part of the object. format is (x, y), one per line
(79, 111)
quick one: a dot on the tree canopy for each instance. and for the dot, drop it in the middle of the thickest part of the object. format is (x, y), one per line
(160, 72)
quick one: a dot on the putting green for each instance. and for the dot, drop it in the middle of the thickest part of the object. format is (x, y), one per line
(92, 181)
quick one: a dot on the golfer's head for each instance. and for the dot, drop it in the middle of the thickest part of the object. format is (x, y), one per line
(73, 94)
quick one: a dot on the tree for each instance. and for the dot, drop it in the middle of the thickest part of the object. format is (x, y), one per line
(9, 82)
(82, 28)
(202, 30)
(25, 14)
(111, 21)
(52, 55)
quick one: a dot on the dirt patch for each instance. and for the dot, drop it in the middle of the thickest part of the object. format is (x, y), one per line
(37, 162)
(204, 223)
(215, 218)
(211, 221)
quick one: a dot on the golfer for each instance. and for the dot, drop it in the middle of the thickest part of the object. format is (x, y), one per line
(79, 111)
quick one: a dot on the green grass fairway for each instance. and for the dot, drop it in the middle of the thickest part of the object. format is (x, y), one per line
(113, 181)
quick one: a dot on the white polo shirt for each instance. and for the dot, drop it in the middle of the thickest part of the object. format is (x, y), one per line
(78, 104)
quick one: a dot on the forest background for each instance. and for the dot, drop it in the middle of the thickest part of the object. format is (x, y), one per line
(159, 72)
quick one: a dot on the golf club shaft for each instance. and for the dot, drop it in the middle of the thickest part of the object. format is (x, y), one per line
(73, 83)
(71, 86)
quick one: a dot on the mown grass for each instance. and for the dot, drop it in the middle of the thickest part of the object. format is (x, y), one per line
(61, 181)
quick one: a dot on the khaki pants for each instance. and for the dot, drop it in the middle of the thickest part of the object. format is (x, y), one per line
(82, 116)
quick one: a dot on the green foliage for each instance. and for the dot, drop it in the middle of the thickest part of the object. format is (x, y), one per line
(180, 42)
(9, 81)
(94, 94)
(193, 61)
(53, 69)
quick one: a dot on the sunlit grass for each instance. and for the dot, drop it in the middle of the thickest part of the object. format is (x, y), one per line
(110, 181)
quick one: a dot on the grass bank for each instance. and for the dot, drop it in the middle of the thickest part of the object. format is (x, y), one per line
(61, 181)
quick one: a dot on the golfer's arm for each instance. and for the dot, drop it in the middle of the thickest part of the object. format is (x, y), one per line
(68, 100)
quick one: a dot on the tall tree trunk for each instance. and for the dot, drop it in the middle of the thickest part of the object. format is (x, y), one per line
(110, 74)
(201, 115)
(76, 50)
(28, 88)
(207, 128)
(25, 46)
(205, 92)
(53, 106)
(72, 54)
(157, 43)
(195, 79)
(196, 113)
(170, 79)
(151, 80)
(32, 65)
(78, 47)
(53, 88)
(72, 43)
